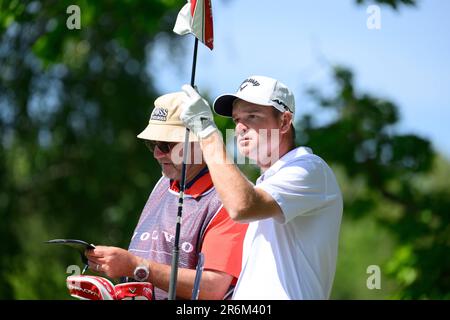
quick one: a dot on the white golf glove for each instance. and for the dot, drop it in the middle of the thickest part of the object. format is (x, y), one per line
(196, 113)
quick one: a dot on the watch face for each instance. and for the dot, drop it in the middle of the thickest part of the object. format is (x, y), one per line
(141, 273)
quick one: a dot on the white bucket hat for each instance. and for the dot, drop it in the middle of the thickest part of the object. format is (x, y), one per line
(259, 90)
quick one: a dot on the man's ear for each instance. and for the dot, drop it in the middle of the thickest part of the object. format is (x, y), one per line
(286, 122)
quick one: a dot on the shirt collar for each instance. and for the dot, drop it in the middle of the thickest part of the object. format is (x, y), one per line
(294, 153)
(197, 186)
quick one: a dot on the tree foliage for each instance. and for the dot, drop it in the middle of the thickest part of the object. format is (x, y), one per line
(394, 4)
(71, 105)
(72, 102)
(362, 140)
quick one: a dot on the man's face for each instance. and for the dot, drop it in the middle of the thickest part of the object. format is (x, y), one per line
(170, 155)
(257, 130)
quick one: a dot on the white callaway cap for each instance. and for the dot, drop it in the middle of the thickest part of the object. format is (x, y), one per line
(259, 90)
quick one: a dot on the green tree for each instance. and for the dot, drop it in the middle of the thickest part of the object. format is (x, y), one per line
(391, 169)
(394, 4)
(71, 104)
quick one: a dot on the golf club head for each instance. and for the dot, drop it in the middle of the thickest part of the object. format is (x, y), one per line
(79, 245)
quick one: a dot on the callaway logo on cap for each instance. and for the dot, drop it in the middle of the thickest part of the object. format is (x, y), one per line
(246, 82)
(259, 90)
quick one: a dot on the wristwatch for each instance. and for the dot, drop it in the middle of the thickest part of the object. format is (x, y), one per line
(141, 273)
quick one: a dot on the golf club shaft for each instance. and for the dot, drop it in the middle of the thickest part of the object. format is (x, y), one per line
(176, 251)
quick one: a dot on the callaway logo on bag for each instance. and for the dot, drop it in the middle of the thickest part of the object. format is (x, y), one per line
(99, 288)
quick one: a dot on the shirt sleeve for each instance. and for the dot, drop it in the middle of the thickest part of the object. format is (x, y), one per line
(299, 188)
(222, 244)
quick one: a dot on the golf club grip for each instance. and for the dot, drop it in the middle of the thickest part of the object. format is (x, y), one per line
(198, 276)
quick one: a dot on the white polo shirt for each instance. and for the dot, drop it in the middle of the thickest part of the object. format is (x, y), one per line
(294, 258)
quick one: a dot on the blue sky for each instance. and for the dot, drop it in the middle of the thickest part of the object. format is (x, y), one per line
(407, 61)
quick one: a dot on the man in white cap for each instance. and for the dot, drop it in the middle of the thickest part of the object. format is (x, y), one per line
(206, 225)
(295, 209)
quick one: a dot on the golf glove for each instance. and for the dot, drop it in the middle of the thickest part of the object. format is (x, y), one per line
(196, 113)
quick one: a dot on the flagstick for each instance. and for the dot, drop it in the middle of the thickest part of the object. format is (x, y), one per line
(176, 250)
(194, 63)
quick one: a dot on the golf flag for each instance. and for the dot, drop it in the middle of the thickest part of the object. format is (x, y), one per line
(196, 18)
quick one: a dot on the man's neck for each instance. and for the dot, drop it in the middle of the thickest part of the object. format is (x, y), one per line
(284, 149)
(193, 173)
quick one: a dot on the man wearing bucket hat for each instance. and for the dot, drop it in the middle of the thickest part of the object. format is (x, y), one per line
(206, 226)
(295, 208)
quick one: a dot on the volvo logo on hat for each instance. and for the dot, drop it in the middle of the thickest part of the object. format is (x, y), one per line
(159, 114)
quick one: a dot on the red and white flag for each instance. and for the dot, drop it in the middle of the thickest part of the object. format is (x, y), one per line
(196, 18)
